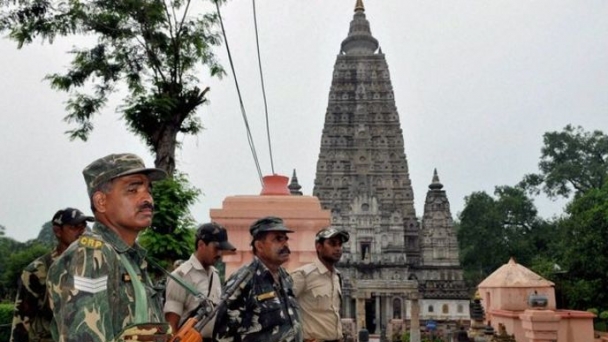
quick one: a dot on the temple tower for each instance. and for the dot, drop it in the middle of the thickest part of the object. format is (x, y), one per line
(362, 177)
(439, 245)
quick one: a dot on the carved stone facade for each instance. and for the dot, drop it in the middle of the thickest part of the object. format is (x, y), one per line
(363, 178)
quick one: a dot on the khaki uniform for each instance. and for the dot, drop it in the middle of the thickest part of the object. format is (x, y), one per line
(181, 302)
(32, 317)
(96, 296)
(319, 294)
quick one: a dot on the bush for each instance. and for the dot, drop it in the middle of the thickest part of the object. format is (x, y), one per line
(6, 318)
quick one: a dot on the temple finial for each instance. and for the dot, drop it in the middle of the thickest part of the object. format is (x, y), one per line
(359, 6)
(294, 186)
(435, 183)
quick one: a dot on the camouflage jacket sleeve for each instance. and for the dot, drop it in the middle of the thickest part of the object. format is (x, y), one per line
(26, 305)
(32, 316)
(78, 288)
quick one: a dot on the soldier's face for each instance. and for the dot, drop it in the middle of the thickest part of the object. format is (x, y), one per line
(209, 254)
(330, 250)
(129, 204)
(67, 233)
(274, 248)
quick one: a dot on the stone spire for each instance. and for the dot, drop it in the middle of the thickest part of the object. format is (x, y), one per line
(435, 184)
(294, 186)
(439, 244)
(360, 40)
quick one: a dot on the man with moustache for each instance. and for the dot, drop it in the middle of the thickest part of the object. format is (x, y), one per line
(32, 317)
(210, 240)
(318, 288)
(263, 308)
(100, 288)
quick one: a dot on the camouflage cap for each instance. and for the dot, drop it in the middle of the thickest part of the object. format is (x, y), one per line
(213, 232)
(70, 216)
(117, 165)
(268, 224)
(328, 233)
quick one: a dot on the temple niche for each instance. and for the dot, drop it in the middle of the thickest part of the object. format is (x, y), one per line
(394, 263)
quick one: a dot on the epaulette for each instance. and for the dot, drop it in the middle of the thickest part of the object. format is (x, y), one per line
(307, 269)
(91, 241)
(184, 268)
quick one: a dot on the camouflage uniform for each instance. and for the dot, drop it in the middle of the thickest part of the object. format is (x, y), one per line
(32, 316)
(259, 310)
(93, 296)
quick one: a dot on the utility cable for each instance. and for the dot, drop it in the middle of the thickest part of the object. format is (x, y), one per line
(257, 43)
(238, 90)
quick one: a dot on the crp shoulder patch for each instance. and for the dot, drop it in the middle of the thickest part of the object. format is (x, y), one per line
(90, 242)
(91, 285)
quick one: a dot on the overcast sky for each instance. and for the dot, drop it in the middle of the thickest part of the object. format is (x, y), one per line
(476, 83)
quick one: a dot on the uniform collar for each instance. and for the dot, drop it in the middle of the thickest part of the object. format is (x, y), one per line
(196, 264)
(115, 241)
(264, 270)
(322, 268)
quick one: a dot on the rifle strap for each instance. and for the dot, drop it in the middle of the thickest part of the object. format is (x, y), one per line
(179, 280)
(141, 300)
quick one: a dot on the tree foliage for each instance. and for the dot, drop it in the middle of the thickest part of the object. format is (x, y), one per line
(492, 230)
(573, 160)
(15, 264)
(583, 249)
(8, 246)
(154, 48)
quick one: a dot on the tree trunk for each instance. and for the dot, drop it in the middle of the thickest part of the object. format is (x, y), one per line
(164, 149)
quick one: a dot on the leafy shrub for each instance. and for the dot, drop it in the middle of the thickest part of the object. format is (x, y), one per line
(6, 318)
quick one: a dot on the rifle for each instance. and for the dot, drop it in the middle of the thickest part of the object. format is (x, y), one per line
(190, 330)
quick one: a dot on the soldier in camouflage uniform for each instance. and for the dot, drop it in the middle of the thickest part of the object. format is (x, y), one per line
(100, 288)
(264, 307)
(32, 316)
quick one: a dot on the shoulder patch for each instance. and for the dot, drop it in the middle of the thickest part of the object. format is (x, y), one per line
(308, 268)
(90, 242)
(183, 269)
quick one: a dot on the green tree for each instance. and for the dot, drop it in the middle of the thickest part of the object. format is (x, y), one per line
(7, 247)
(152, 48)
(583, 249)
(2, 230)
(491, 230)
(571, 161)
(16, 262)
(479, 237)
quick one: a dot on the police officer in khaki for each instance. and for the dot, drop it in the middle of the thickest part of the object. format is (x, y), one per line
(32, 316)
(211, 240)
(100, 288)
(318, 288)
